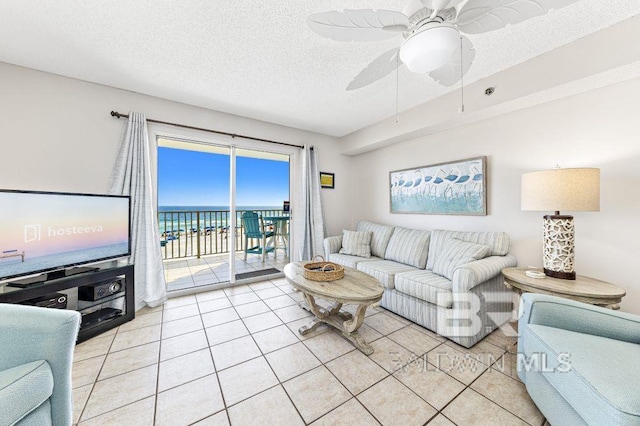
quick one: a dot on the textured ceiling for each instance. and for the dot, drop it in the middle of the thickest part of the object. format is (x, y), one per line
(258, 60)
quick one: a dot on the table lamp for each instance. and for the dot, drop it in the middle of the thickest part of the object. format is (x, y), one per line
(555, 190)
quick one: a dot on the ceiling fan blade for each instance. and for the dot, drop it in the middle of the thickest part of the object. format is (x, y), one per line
(481, 16)
(449, 74)
(358, 25)
(440, 4)
(380, 67)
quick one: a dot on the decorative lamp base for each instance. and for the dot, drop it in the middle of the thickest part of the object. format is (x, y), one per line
(559, 242)
(561, 275)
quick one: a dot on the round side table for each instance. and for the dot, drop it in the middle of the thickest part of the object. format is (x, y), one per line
(582, 289)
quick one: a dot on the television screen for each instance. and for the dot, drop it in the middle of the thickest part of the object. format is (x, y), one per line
(42, 231)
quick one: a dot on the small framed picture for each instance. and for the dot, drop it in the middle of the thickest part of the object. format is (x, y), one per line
(327, 180)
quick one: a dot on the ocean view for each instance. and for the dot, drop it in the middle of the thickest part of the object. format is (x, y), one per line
(178, 219)
(214, 208)
(193, 196)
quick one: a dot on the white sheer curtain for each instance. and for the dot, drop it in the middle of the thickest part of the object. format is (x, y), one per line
(131, 176)
(312, 221)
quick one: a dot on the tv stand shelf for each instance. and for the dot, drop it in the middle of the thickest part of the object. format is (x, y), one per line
(99, 315)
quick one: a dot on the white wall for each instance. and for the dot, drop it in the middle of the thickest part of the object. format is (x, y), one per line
(600, 128)
(57, 135)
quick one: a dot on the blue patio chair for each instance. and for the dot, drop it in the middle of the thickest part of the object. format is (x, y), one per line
(253, 227)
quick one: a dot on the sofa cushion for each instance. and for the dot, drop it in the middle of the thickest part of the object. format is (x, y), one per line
(380, 235)
(573, 364)
(384, 270)
(356, 243)
(497, 241)
(409, 246)
(425, 285)
(349, 260)
(457, 253)
(23, 389)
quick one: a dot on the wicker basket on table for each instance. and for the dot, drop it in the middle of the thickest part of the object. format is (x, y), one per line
(322, 271)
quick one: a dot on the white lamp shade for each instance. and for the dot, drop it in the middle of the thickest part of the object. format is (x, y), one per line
(561, 189)
(430, 48)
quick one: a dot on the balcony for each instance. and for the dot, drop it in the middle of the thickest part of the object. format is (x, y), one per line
(195, 248)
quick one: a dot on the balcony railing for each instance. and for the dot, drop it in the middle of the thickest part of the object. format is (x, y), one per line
(202, 232)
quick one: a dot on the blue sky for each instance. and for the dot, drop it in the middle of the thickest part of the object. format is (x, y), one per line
(192, 178)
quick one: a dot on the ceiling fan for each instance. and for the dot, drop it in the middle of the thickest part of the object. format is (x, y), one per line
(431, 29)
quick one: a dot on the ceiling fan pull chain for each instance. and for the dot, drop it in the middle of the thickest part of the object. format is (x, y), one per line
(397, 84)
(461, 79)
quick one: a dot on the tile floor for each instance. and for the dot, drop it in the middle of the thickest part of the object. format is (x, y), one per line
(181, 274)
(234, 356)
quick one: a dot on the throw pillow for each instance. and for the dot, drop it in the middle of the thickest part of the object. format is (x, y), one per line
(409, 246)
(380, 235)
(356, 243)
(456, 253)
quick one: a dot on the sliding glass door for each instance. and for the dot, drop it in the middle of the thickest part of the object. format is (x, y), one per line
(221, 212)
(194, 218)
(262, 207)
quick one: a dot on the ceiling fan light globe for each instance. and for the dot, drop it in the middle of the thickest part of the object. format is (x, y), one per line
(430, 48)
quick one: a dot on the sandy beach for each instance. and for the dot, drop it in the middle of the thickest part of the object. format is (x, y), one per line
(192, 244)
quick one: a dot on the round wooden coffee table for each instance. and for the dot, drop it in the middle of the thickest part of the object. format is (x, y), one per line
(356, 288)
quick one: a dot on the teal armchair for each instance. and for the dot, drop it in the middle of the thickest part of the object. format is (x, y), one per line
(253, 227)
(36, 356)
(579, 362)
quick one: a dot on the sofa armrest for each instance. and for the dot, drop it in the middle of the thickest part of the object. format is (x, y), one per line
(557, 312)
(23, 389)
(332, 245)
(29, 333)
(470, 275)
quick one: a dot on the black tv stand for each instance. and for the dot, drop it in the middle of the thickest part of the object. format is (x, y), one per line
(100, 313)
(28, 282)
(50, 276)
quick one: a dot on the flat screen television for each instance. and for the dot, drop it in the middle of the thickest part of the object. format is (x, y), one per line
(52, 231)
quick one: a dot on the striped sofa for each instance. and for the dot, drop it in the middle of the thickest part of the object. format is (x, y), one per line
(430, 277)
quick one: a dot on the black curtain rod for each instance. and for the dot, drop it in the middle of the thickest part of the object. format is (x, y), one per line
(233, 135)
